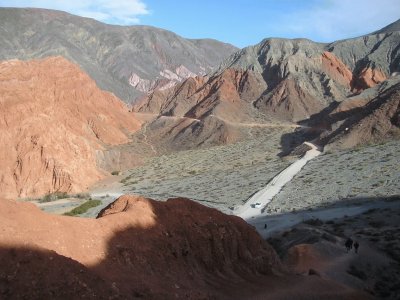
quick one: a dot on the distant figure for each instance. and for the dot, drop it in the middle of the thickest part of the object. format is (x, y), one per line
(356, 245)
(265, 226)
(349, 244)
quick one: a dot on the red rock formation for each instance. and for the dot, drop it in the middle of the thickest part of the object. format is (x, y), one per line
(220, 95)
(53, 119)
(368, 77)
(289, 101)
(137, 246)
(336, 69)
(361, 121)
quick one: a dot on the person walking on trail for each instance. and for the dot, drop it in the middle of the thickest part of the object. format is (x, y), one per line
(349, 244)
(265, 226)
(356, 245)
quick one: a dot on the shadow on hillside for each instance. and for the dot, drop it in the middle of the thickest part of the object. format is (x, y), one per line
(33, 273)
(340, 208)
(325, 126)
(183, 250)
(190, 252)
(292, 140)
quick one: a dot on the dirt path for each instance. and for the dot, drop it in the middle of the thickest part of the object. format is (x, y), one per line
(281, 222)
(262, 125)
(145, 138)
(254, 207)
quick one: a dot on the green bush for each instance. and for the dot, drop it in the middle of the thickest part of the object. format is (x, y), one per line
(82, 196)
(54, 196)
(84, 207)
(115, 173)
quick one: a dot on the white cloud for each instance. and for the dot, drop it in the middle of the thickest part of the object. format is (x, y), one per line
(123, 12)
(330, 20)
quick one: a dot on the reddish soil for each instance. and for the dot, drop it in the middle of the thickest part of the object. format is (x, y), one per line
(140, 248)
(53, 119)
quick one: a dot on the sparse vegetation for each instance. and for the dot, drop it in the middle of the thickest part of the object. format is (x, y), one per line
(54, 196)
(83, 208)
(115, 173)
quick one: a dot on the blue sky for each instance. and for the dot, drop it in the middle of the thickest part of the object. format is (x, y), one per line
(239, 22)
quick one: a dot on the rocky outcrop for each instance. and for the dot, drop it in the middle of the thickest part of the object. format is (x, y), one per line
(227, 95)
(53, 119)
(168, 80)
(371, 117)
(137, 247)
(126, 60)
(336, 69)
(368, 78)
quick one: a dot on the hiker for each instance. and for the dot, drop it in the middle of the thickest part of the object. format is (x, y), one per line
(356, 245)
(265, 226)
(349, 244)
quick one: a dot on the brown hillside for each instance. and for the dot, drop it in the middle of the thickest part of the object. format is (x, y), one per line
(53, 119)
(140, 248)
(136, 247)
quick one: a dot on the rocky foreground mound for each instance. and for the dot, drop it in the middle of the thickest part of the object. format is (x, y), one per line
(53, 120)
(141, 248)
(137, 247)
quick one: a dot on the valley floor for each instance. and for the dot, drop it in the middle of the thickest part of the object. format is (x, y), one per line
(225, 177)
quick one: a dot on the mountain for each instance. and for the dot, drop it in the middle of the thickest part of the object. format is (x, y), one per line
(126, 60)
(392, 27)
(285, 79)
(54, 122)
(275, 81)
(370, 117)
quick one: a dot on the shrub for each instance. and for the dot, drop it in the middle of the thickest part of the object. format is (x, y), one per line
(83, 208)
(83, 196)
(115, 173)
(54, 196)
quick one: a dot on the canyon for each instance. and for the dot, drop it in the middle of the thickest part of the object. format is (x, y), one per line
(220, 173)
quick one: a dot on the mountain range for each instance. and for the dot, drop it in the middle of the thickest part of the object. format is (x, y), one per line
(127, 60)
(89, 110)
(275, 81)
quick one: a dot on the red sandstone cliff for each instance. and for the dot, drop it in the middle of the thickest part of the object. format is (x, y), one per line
(53, 119)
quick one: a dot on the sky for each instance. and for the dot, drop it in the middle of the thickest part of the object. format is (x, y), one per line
(239, 22)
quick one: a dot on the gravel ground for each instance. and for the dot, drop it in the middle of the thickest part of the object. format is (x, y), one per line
(369, 171)
(220, 177)
(226, 176)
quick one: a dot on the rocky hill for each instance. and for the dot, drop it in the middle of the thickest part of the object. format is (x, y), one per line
(371, 117)
(289, 79)
(126, 60)
(277, 80)
(135, 249)
(53, 122)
